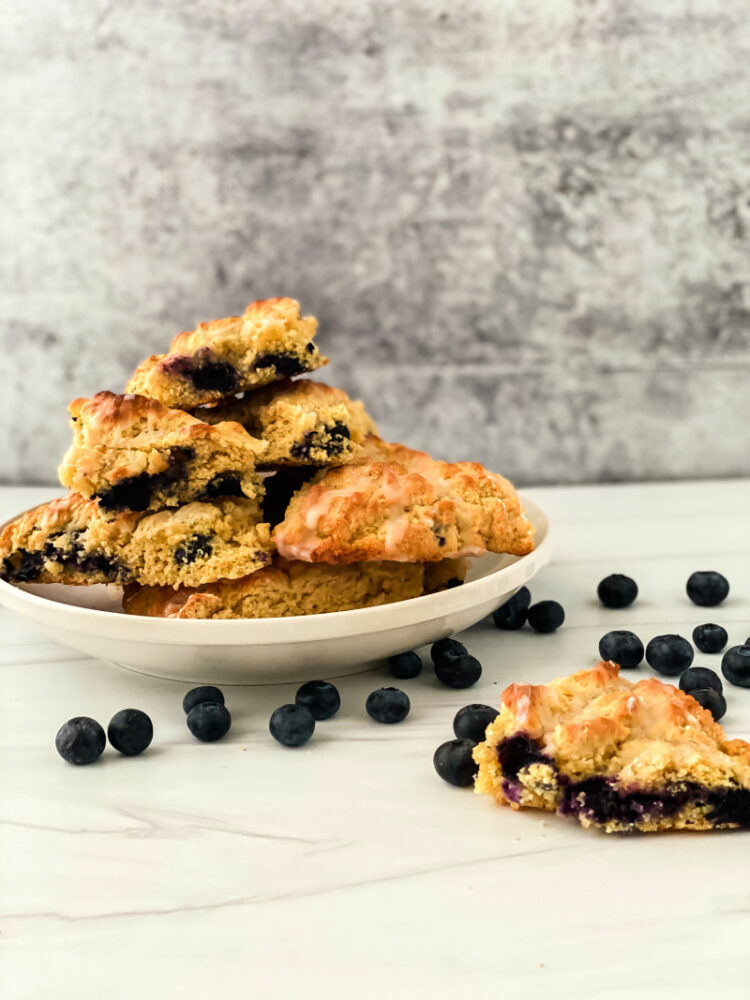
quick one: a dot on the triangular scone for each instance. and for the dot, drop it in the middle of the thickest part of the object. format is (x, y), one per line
(133, 453)
(615, 755)
(404, 506)
(72, 540)
(302, 422)
(271, 340)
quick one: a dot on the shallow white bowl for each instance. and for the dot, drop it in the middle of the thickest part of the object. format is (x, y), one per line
(272, 650)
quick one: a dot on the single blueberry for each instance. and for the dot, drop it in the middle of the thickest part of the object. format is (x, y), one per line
(512, 615)
(458, 670)
(130, 731)
(710, 638)
(292, 725)
(443, 646)
(471, 721)
(711, 699)
(405, 666)
(545, 616)
(80, 740)
(320, 698)
(388, 705)
(669, 654)
(199, 695)
(700, 677)
(617, 591)
(735, 665)
(209, 721)
(623, 647)
(707, 588)
(454, 762)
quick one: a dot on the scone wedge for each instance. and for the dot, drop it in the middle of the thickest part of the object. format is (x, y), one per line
(615, 755)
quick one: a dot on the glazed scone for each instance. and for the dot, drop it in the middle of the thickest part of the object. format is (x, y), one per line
(72, 540)
(405, 507)
(286, 589)
(615, 755)
(303, 422)
(445, 575)
(133, 453)
(271, 340)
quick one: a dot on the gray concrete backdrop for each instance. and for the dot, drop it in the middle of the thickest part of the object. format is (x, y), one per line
(523, 226)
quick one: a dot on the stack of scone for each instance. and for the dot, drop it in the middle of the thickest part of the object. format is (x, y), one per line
(220, 486)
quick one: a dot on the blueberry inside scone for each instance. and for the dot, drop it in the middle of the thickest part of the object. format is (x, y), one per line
(615, 755)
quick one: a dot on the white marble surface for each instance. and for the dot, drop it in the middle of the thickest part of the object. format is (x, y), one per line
(347, 868)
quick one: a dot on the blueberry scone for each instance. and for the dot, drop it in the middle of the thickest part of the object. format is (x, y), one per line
(133, 453)
(72, 540)
(271, 340)
(302, 422)
(615, 755)
(403, 506)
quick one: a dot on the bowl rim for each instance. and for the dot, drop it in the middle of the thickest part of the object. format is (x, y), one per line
(251, 631)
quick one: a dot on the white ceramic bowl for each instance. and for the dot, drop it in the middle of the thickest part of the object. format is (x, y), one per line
(272, 650)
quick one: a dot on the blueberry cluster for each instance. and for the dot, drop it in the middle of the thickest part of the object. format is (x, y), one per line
(81, 740)
(454, 759)
(544, 616)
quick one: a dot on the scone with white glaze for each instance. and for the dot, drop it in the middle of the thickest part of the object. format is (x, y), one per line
(134, 453)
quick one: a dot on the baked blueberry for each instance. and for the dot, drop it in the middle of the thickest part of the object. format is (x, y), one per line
(209, 721)
(196, 696)
(471, 721)
(710, 638)
(669, 654)
(130, 731)
(454, 762)
(711, 699)
(320, 698)
(623, 647)
(388, 705)
(80, 740)
(707, 588)
(545, 616)
(735, 665)
(617, 591)
(512, 615)
(443, 646)
(405, 666)
(700, 677)
(458, 670)
(292, 725)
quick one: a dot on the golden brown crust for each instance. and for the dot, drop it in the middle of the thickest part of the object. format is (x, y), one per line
(641, 738)
(130, 451)
(406, 507)
(225, 356)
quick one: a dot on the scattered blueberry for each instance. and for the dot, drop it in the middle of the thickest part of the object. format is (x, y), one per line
(472, 720)
(209, 721)
(623, 647)
(443, 646)
(130, 731)
(80, 740)
(458, 670)
(617, 591)
(405, 666)
(669, 654)
(388, 705)
(454, 762)
(707, 588)
(512, 615)
(292, 725)
(735, 665)
(710, 638)
(200, 695)
(320, 698)
(711, 699)
(546, 616)
(700, 677)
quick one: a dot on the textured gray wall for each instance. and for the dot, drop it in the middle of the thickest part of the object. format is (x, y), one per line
(524, 227)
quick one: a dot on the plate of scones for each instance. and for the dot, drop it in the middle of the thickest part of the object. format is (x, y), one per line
(229, 518)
